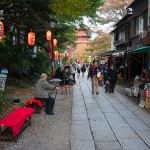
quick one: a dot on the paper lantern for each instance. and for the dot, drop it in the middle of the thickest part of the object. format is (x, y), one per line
(1, 30)
(48, 35)
(54, 42)
(56, 55)
(31, 38)
(68, 54)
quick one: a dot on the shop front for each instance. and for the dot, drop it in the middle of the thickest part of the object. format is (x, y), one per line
(139, 73)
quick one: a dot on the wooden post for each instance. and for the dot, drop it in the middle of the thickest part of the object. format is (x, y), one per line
(129, 69)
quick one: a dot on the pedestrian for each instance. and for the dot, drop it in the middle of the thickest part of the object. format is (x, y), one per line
(73, 74)
(41, 92)
(112, 77)
(105, 72)
(78, 69)
(93, 70)
(83, 70)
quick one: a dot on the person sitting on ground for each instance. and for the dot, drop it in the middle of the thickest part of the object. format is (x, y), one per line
(41, 92)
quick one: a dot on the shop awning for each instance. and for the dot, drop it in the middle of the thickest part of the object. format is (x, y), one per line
(118, 54)
(140, 50)
(107, 53)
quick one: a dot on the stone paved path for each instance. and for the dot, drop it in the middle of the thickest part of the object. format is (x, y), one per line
(107, 121)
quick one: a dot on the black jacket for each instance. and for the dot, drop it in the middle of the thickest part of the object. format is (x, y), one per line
(112, 75)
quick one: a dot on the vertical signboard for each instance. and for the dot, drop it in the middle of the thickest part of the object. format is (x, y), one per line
(3, 76)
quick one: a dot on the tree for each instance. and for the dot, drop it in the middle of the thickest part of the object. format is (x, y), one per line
(101, 43)
(22, 16)
(113, 10)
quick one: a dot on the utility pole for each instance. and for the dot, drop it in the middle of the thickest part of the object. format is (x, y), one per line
(148, 16)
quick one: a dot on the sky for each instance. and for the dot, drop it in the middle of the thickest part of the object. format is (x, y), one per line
(107, 28)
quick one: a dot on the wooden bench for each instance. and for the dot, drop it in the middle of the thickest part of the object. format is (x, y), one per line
(36, 104)
(14, 123)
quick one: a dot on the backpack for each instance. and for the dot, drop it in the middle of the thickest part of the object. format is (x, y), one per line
(83, 69)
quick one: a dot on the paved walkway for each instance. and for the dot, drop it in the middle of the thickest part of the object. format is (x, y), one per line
(107, 121)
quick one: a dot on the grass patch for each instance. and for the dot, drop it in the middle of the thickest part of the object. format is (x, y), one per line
(3, 98)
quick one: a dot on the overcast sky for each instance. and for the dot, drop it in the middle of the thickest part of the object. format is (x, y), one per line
(105, 28)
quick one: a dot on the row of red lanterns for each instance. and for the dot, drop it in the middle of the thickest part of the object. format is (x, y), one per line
(31, 38)
(57, 55)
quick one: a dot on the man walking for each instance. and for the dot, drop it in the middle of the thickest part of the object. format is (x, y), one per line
(93, 74)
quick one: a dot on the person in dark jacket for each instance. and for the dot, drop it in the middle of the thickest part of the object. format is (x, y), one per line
(58, 73)
(112, 77)
(83, 70)
(105, 72)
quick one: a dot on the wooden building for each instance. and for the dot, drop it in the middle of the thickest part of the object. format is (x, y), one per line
(132, 36)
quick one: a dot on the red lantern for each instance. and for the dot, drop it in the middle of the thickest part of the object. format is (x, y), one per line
(68, 54)
(48, 35)
(56, 55)
(31, 38)
(54, 42)
(1, 30)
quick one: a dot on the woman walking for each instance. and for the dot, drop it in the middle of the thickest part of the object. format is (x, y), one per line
(112, 77)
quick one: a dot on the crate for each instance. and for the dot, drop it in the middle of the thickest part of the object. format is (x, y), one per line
(147, 104)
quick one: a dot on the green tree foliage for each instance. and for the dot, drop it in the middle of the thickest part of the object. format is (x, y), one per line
(22, 16)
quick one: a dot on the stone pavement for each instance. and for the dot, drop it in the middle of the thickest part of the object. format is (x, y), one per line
(107, 121)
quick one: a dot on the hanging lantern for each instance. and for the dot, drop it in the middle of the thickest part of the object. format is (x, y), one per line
(68, 54)
(56, 55)
(1, 30)
(31, 38)
(48, 35)
(54, 42)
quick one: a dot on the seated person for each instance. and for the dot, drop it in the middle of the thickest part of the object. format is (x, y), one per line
(142, 78)
(41, 93)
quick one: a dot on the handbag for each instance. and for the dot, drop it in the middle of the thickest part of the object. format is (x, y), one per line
(100, 78)
(98, 74)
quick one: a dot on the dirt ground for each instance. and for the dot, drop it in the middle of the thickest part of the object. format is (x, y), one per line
(46, 132)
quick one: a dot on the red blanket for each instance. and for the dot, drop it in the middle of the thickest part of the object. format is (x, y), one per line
(16, 119)
(33, 101)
